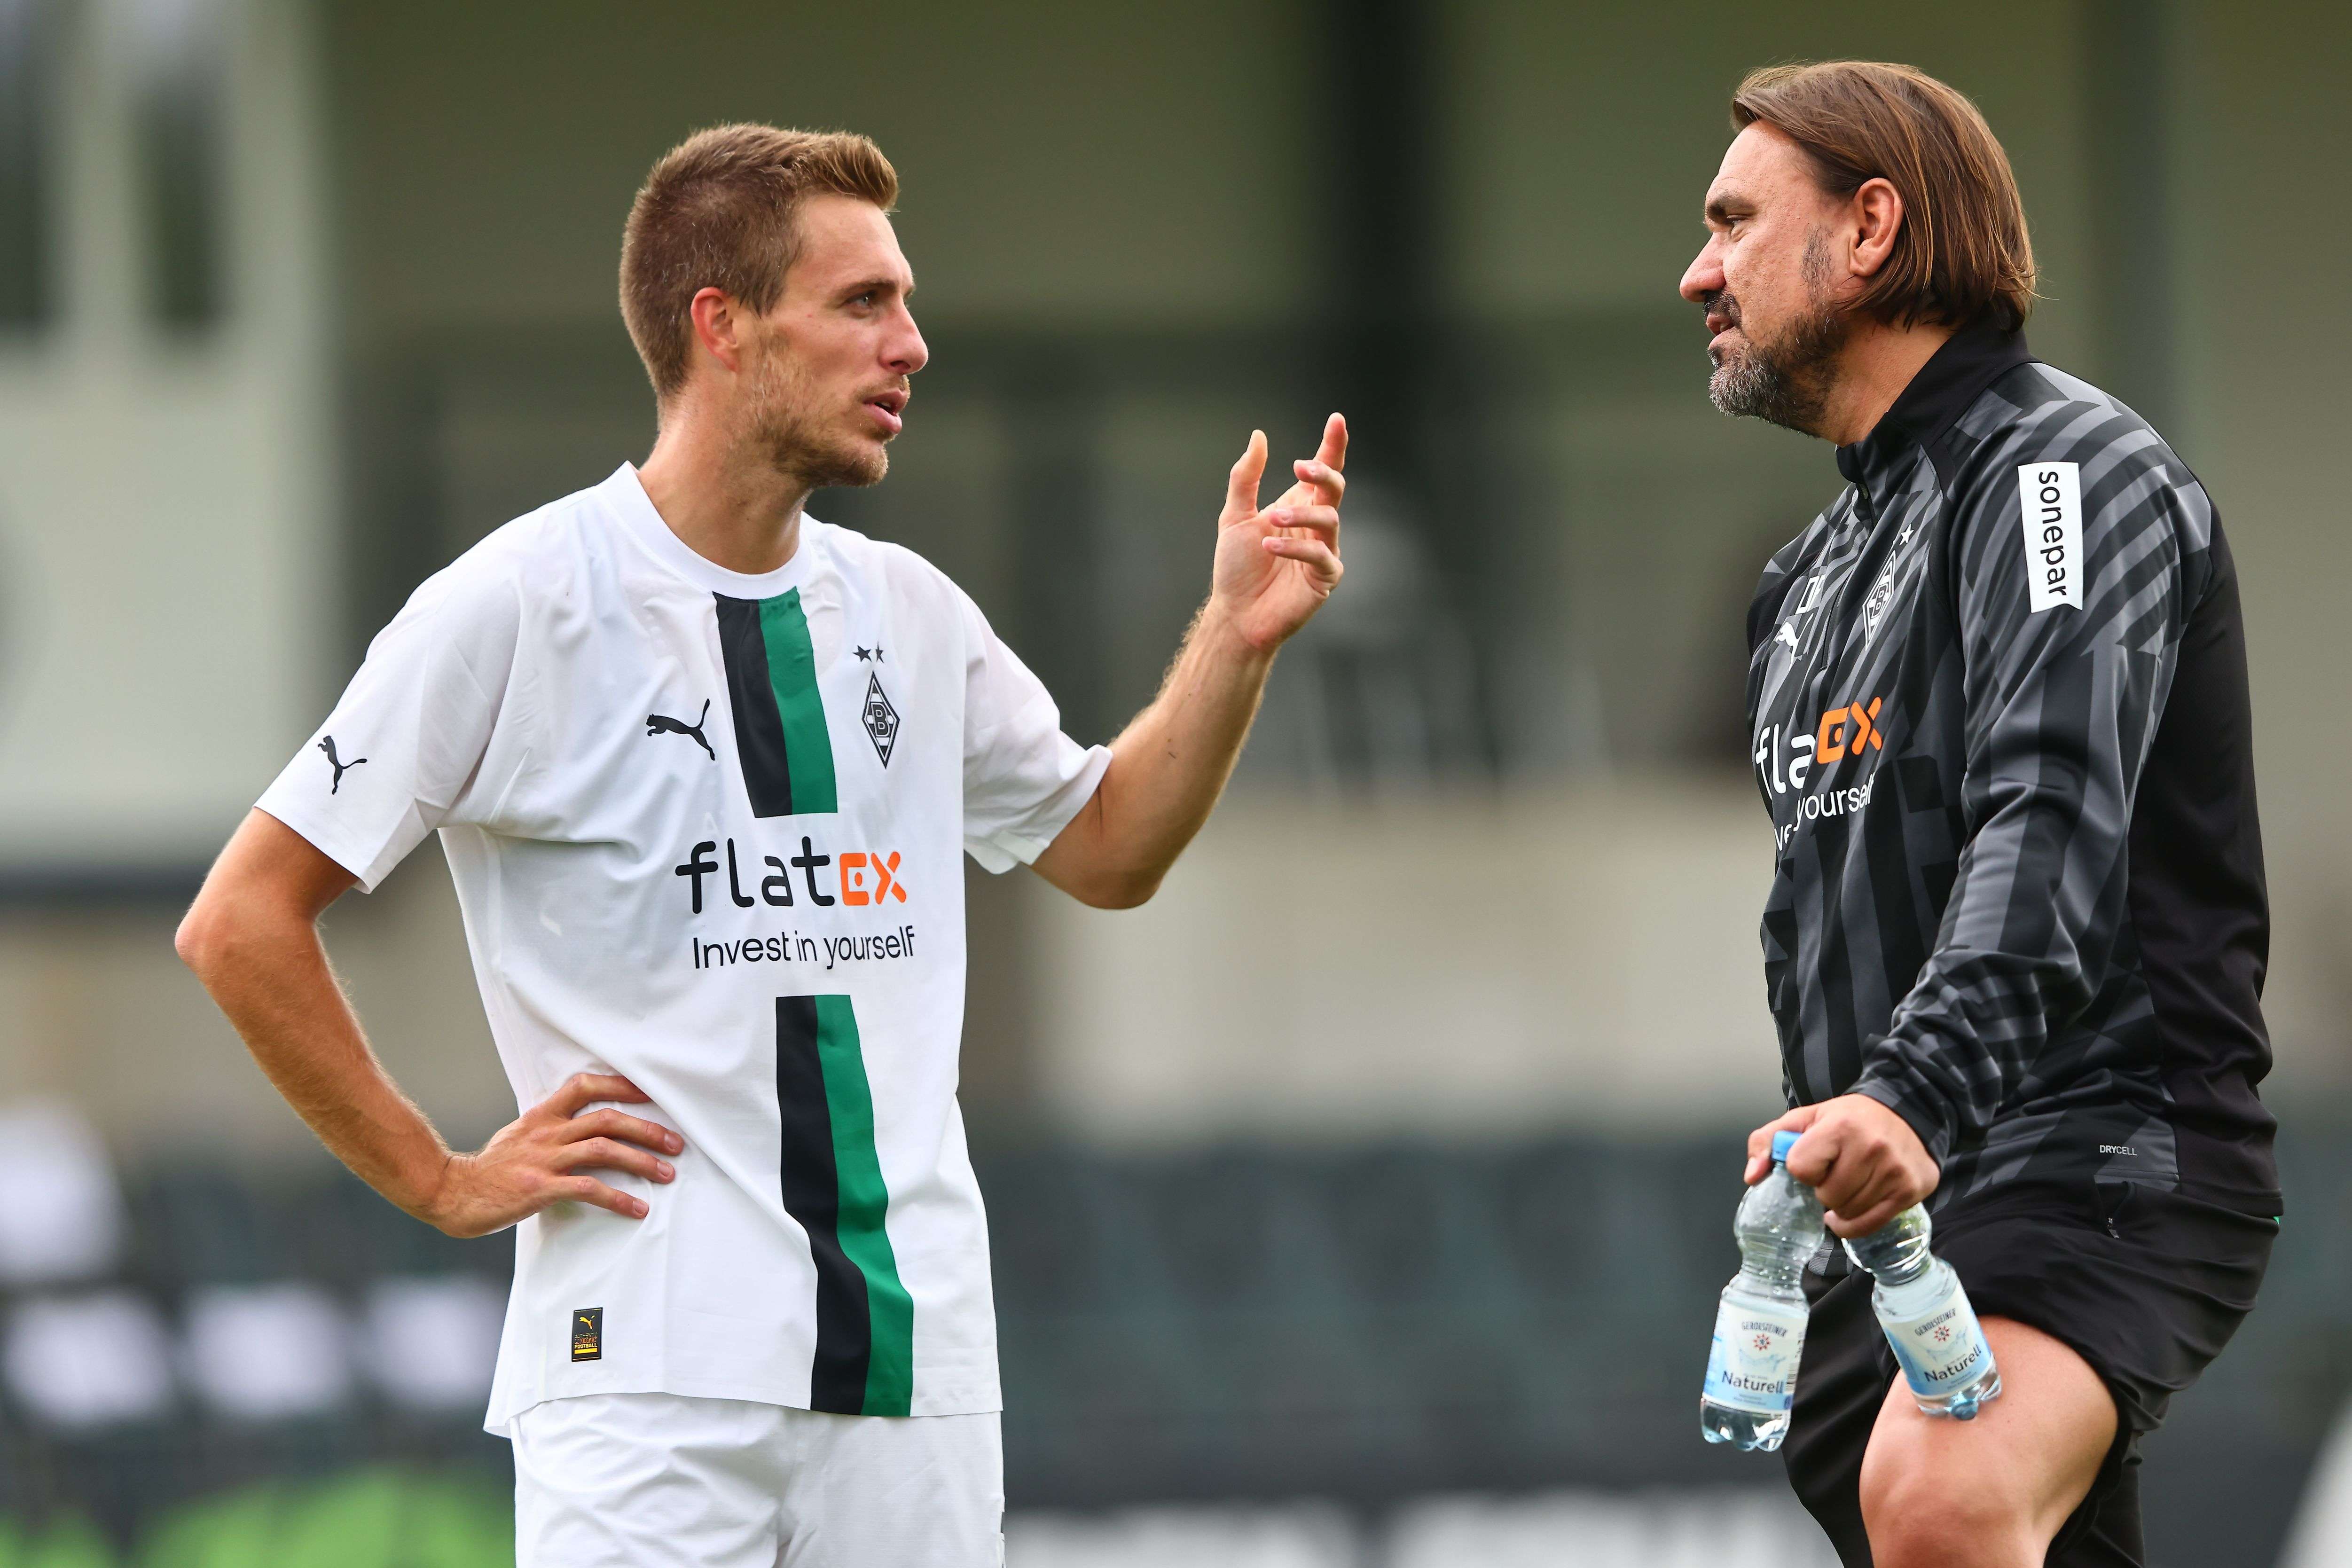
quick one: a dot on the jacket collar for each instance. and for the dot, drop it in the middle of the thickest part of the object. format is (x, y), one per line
(1972, 360)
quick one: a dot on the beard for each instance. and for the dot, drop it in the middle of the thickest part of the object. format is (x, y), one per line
(786, 425)
(1786, 380)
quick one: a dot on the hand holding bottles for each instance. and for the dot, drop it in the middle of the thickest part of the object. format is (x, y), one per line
(1759, 1325)
(1862, 1160)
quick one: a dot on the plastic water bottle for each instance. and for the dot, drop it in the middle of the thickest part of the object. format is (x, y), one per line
(1925, 1310)
(1760, 1329)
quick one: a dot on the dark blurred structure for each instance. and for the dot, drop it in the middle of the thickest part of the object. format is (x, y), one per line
(1366, 1323)
(1361, 1325)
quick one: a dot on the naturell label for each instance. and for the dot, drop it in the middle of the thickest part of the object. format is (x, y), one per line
(1942, 1348)
(1752, 1365)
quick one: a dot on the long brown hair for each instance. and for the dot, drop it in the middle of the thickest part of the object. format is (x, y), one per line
(1963, 251)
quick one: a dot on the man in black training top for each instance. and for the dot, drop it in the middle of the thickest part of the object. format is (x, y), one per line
(2015, 942)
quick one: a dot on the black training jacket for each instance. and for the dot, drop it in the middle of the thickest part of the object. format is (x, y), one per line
(1997, 701)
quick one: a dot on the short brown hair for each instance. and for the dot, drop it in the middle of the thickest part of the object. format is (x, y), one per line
(721, 211)
(1963, 251)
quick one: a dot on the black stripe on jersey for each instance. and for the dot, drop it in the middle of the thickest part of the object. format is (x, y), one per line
(1833, 966)
(844, 1333)
(759, 726)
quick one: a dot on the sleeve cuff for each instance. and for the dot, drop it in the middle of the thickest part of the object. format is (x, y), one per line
(363, 865)
(1000, 851)
(1934, 1133)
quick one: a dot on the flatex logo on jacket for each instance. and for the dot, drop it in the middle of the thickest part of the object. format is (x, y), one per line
(1784, 761)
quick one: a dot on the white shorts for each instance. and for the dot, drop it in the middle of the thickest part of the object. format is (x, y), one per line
(659, 1480)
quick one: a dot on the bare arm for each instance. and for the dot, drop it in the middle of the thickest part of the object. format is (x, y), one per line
(252, 936)
(1272, 571)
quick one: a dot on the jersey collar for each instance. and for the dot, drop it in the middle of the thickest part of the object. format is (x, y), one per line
(625, 499)
(1972, 360)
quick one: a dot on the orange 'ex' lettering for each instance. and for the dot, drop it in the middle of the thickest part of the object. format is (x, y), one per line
(856, 863)
(1831, 743)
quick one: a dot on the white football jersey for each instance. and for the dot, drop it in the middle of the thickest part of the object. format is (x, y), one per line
(706, 832)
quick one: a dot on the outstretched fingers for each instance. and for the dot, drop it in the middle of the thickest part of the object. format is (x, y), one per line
(1241, 487)
(1321, 473)
(1333, 453)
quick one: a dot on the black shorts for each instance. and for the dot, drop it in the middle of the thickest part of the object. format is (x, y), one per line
(2144, 1284)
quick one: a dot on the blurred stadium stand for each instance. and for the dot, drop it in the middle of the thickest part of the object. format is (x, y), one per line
(242, 1330)
(1430, 1341)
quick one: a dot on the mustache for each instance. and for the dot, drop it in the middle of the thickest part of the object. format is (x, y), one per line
(1722, 302)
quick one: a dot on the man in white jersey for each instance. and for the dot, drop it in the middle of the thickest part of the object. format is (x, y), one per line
(704, 769)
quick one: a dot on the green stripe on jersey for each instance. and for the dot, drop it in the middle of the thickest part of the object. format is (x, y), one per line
(792, 672)
(864, 1201)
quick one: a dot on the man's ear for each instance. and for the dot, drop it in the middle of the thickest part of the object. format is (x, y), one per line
(715, 318)
(1876, 212)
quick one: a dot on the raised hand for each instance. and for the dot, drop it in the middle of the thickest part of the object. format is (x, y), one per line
(537, 1159)
(1274, 567)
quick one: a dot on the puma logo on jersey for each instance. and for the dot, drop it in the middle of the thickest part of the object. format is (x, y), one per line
(327, 744)
(663, 724)
(1787, 633)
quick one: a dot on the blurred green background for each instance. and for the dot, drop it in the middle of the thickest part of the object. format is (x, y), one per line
(1361, 1200)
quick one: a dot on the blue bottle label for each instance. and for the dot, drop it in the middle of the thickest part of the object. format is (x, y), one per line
(1752, 1366)
(1941, 1350)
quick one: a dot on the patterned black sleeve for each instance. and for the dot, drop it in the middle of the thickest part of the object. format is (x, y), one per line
(2068, 659)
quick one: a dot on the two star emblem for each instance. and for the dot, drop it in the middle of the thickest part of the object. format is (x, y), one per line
(864, 654)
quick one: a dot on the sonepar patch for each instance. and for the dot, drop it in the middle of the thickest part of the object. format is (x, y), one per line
(2050, 498)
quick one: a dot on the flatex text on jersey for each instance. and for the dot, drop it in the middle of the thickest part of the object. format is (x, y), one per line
(852, 879)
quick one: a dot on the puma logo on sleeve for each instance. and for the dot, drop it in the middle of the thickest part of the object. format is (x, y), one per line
(663, 724)
(327, 744)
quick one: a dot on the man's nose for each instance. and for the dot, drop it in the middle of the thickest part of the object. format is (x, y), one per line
(1704, 275)
(906, 353)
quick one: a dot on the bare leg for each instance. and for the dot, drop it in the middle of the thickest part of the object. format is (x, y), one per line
(1991, 1492)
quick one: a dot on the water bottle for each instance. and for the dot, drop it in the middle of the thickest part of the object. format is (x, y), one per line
(1760, 1329)
(1925, 1310)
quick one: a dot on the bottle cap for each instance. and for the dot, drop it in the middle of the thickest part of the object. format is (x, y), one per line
(1781, 1144)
